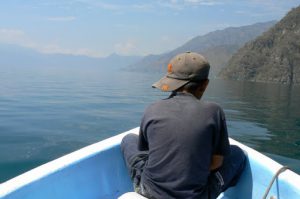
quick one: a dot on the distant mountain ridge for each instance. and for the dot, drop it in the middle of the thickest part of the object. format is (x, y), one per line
(13, 55)
(272, 57)
(218, 46)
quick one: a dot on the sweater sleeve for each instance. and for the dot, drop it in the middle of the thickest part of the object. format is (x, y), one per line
(222, 146)
(143, 143)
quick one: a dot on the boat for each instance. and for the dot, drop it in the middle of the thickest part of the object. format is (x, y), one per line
(98, 171)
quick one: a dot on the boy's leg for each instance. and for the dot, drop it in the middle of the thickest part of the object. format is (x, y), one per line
(135, 160)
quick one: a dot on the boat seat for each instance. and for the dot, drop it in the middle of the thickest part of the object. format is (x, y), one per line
(131, 195)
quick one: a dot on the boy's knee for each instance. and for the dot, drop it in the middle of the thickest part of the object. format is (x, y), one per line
(237, 152)
(129, 140)
(238, 156)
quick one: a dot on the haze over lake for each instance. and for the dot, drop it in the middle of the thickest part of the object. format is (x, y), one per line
(46, 112)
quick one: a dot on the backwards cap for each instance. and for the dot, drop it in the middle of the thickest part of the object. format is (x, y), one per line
(182, 69)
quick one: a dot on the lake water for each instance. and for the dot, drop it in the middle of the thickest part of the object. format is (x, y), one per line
(48, 112)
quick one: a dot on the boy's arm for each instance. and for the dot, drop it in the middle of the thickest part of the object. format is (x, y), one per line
(216, 162)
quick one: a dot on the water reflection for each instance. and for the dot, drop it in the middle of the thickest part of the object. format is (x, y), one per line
(263, 116)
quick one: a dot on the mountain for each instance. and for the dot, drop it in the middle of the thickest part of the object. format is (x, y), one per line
(14, 56)
(217, 47)
(272, 57)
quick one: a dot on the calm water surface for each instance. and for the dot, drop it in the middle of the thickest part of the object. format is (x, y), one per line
(48, 112)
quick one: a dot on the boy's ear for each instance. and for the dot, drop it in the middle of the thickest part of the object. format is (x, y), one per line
(204, 85)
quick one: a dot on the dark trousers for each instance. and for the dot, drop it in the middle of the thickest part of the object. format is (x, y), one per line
(219, 180)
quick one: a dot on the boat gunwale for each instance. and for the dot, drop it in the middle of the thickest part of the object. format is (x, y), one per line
(92, 150)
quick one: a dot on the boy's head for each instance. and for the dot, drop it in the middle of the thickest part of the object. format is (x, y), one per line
(187, 69)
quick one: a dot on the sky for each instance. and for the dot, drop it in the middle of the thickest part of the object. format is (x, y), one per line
(98, 28)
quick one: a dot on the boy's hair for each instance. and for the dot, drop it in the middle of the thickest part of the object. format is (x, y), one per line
(191, 86)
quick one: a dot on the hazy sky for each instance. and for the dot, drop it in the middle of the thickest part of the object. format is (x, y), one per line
(136, 27)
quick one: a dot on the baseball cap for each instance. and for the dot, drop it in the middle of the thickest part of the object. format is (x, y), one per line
(182, 69)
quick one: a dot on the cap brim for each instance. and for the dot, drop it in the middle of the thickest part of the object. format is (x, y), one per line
(169, 84)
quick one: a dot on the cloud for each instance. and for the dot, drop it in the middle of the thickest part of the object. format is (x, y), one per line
(182, 4)
(96, 4)
(151, 6)
(107, 6)
(258, 8)
(125, 48)
(142, 7)
(120, 7)
(57, 5)
(19, 37)
(15, 36)
(272, 6)
(173, 4)
(62, 19)
(203, 2)
(8, 35)
(56, 49)
(147, 6)
(252, 13)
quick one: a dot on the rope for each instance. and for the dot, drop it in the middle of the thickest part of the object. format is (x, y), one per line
(282, 169)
